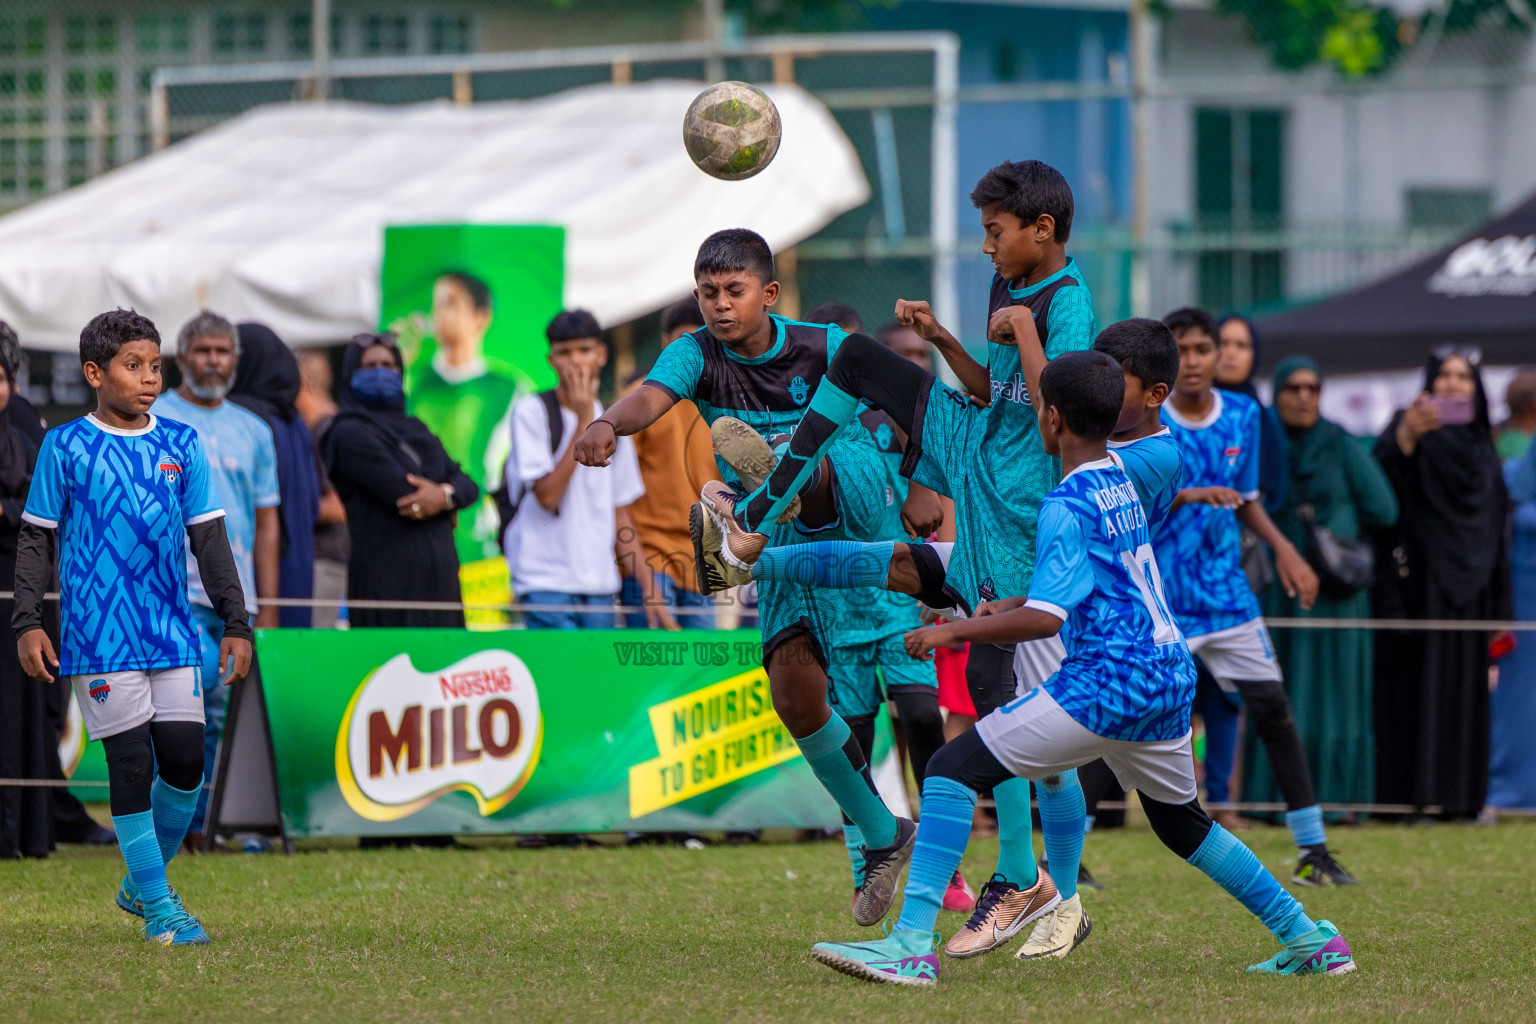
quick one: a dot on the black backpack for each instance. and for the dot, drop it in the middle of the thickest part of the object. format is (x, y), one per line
(506, 500)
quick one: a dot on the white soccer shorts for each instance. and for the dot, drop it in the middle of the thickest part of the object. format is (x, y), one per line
(1242, 652)
(1035, 661)
(1034, 737)
(114, 702)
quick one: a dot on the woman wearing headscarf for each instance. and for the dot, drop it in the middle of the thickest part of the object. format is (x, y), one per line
(1447, 560)
(1237, 359)
(400, 489)
(25, 733)
(1512, 762)
(1333, 480)
(267, 382)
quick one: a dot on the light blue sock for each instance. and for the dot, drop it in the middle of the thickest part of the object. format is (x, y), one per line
(831, 408)
(854, 840)
(172, 809)
(1306, 825)
(141, 850)
(837, 564)
(941, 838)
(1236, 869)
(838, 763)
(1015, 834)
(1063, 820)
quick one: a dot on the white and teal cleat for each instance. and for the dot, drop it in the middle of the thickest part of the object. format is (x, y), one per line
(1322, 951)
(901, 958)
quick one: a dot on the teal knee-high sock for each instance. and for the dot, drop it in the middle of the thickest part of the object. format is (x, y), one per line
(839, 765)
(941, 837)
(1063, 818)
(835, 564)
(172, 810)
(853, 839)
(1015, 834)
(830, 410)
(1236, 869)
(141, 850)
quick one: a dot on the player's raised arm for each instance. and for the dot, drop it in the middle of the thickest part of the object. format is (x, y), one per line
(629, 415)
(918, 315)
(1015, 325)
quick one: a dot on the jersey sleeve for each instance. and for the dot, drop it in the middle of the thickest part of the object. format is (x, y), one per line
(199, 499)
(1071, 326)
(264, 474)
(1248, 469)
(50, 492)
(531, 458)
(1063, 576)
(678, 368)
(835, 338)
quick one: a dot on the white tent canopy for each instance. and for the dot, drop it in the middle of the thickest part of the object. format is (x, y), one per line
(278, 215)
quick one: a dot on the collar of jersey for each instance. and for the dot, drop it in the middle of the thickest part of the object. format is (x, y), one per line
(1200, 424)
(773, 350)
(1105, 463)
(471, 370)
(1112, 445)
(119, 431)
(1024, 293)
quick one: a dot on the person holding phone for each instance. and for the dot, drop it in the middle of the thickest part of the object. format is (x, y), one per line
(1448, 559)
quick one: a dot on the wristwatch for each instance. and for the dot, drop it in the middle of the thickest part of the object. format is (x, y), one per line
(448, 492)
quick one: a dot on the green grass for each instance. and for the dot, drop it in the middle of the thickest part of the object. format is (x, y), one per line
(1443, 927)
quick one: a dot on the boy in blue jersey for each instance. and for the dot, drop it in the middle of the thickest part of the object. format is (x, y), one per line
(760, 369)
(121, 490)
(989, 460)
(1123, 693)
(1201, 550)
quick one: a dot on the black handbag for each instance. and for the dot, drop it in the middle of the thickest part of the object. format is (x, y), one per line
(1343, 567)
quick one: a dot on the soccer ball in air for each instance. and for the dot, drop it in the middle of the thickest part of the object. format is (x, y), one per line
(732, 130)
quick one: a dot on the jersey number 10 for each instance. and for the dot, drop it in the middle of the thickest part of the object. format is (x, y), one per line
(1142, 568)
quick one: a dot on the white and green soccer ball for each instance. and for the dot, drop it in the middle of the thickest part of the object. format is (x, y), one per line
(732, 130)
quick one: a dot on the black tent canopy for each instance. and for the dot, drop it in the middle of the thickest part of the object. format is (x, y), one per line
(1479, 291)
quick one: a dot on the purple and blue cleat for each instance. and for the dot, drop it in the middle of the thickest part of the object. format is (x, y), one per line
(901, 958)
(1322, 951)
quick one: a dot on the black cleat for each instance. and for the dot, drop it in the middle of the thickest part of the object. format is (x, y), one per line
(1317, 868)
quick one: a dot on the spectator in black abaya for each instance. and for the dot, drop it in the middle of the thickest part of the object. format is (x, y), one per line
(400, 489)
(25, 732)
(1237, 358)
(266, 383)
(1447, 560)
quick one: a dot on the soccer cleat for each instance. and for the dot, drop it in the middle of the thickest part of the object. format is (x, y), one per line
(1058, 933)
(959, 895)
(128, 897)
(1002, 911)
(167, 922)
(1331, 958)
(738, 548)
(712, 571)
(1317, 868)
(901, 958)
(745, 451)
(882, 874)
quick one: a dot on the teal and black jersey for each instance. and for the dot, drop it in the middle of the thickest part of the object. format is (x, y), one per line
(768, 392)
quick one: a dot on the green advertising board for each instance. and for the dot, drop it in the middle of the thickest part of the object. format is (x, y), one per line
(413, 732)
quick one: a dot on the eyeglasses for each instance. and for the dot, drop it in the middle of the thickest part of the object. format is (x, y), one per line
(1471, 353)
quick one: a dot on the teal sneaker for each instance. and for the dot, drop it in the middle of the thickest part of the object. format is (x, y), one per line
(167, 922)
(901, 958)
(128, 897)
(1322, 951)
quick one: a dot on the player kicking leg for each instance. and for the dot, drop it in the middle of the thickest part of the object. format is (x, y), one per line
(1123, 693)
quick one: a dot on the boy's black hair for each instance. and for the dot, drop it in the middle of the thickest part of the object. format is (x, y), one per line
(840, 313)
(682, 313)
(108, 332)
(1144, 348)
(10, 352)
(1185, 317)
(1027, 189)
(570, 324)
(479, 292)
(734, 249)
(1088, 389)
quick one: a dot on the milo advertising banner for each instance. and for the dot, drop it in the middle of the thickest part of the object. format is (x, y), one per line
(470, 303)
(389, 732)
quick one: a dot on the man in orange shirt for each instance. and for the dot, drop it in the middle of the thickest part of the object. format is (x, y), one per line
(676, 460)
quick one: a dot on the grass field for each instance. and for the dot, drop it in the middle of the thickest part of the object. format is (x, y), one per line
(1444, 927)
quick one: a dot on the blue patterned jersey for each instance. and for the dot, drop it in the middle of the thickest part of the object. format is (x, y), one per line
(769, 392)
(122, 501)
(1127, 674)
(1155, 466)
(1202, 547)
